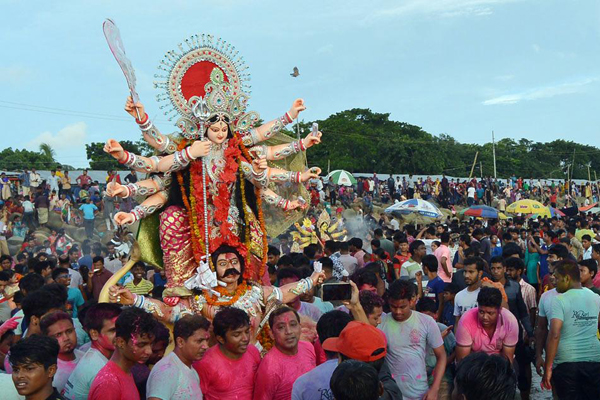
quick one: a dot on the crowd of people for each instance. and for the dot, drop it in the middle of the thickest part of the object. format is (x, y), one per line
(448, 310)
(58, 203)
(450, 192)
(453, 309)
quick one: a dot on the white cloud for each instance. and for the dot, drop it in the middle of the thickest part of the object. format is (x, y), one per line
(442, 8)
(69, 143)
(541, 92)
(325, 49)
(504, 78)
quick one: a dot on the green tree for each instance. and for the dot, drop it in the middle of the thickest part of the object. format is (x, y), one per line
(17, 160)
(47, 150)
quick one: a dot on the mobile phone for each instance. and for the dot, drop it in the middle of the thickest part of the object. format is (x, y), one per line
(315, 129)
(337, 291)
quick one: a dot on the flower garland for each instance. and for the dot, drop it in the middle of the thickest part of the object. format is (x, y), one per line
(197, 246)
(213, 300)
(265, 339)
(221, 200)
(247, 272)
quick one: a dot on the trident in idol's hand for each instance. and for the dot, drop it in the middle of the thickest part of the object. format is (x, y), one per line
(202, 113)
(113, 37)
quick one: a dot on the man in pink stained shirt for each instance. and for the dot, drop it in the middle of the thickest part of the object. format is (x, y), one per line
(357, 251)
(487, 328)
(228, 369)
(442, 253)
(133, 345)
(287, 360)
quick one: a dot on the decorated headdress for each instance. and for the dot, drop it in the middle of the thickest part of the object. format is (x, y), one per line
(204, 84)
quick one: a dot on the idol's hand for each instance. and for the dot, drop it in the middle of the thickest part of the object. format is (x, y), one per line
(115, 149)
(200, 148)
(121, 295)
(311, 139)
(310, 173)
(297, 107)
(116, 189)
(131, 108)
(294, 204)
(317, 278)
(123, 218)
(259, 165)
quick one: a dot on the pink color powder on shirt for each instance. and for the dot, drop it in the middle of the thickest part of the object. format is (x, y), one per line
(471, 333)
(224, 378)
(278, 372)
(112, 383)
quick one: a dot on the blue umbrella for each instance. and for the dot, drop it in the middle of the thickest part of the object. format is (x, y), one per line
(417, 206)
(481, 212)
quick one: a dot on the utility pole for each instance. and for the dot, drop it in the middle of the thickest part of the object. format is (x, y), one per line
(480, 170)
(589, 175)
(494, 154)
(473, 166)
(572, 172)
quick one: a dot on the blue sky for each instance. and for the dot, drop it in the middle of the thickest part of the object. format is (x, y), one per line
(523, 68)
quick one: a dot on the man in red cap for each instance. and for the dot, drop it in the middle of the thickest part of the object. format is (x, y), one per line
(363, 342)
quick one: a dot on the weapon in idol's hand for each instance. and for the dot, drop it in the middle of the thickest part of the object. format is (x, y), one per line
(315, 129)
(113, 37)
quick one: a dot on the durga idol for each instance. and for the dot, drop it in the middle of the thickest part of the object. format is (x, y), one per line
(206, 185)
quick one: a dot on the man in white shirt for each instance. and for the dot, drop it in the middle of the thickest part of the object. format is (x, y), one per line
(35, 180)
(173, 377)
(409, 336)
(470, 195)
(53, 180)
(466, 299)
(100, 325)
(349, 262)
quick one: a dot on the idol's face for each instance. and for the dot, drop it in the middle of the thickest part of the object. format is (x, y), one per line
(217, 132)
(228, 267)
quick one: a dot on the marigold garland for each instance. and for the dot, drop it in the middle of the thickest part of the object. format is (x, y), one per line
(265, 339)
(213, 300)
(234, 154)
(247, 272)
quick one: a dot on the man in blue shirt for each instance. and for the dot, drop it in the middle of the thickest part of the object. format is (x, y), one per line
(89, 214)
(314, 385)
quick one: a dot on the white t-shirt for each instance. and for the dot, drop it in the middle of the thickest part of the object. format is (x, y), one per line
(428, 243)
(172, 379)
(76, 279)
(8, 389)
(64, 371)
(546, 304)
(28, 206)
(464, 301)
(471, 192)
(79, 383)
(407, 348)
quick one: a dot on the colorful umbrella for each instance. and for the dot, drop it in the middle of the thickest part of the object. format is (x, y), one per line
(549, 212)
(417, 206)
(587, 208)
(527, 206)
(481, 212)
(341, 177)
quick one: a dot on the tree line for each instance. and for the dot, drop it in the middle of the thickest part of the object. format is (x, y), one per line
(360, 140)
